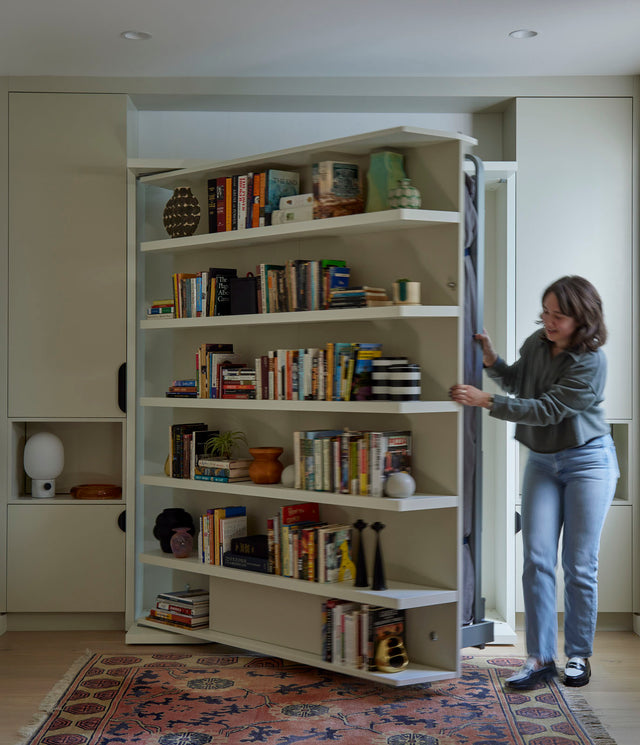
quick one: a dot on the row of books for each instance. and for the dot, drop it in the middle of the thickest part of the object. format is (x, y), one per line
(296, 285)
(351, 632)
(183, 608)
(300, 284)
(218, 527)
(297, 544)
(244, 201)
(346, 462)
(196, 294)
(302, 546)
(339, 371)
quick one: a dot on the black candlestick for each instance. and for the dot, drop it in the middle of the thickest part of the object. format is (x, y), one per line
(361, 564)
(378, 569)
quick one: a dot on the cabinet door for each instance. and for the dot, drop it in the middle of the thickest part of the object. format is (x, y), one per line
(67, 253)
(574, 216)
(65, 559)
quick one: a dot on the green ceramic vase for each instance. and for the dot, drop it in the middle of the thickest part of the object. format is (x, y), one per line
(385, 170)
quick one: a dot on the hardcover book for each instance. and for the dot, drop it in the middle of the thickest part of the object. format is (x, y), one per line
(191, 597)
(279, 184)
(241, 561)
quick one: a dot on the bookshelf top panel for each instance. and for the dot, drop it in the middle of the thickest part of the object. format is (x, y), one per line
(296, 157)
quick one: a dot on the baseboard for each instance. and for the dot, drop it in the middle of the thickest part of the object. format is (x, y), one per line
(3, 623)
(605, 622)
(65, 622)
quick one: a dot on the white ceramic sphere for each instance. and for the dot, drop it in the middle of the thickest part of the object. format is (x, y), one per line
(288, 477)
(399, 484)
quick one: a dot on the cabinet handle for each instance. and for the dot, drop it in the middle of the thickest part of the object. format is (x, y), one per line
(518, 523)
(122, 521)
(122, 387)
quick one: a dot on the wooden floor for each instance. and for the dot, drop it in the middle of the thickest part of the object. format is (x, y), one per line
(32, 662)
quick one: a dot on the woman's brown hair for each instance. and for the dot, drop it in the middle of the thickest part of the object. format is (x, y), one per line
(579, 299)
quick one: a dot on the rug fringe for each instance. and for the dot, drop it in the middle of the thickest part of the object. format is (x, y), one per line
(50, 701)
(588, 719)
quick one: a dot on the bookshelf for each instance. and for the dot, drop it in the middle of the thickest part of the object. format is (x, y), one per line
(422, 535)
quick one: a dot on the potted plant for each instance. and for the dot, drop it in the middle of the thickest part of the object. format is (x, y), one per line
(222, 445)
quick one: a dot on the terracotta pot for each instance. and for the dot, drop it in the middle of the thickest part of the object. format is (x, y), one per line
(266, 468)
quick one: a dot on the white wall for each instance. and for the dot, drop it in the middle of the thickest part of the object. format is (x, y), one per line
(224, 135)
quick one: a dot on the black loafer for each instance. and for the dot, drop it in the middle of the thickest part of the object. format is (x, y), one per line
(530, 675)
(577, 672)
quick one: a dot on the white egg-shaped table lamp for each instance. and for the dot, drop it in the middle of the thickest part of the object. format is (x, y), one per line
(43, 462)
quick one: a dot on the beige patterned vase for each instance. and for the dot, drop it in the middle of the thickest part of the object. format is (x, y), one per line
(181, 213)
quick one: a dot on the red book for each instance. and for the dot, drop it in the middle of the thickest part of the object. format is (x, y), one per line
(302, 512)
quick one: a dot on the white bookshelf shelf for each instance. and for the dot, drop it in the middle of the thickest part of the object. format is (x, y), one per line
(354, 407)
(277, 491)
(363, 223)
(384, 313)
(398, 595)
(411, 675)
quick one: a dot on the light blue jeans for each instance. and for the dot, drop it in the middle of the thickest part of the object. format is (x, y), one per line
(571, 491)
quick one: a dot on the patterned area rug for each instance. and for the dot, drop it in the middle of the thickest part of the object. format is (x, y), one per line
(187, 699)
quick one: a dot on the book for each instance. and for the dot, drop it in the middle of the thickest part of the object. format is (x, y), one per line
(241, 561)
(230, 528)
(189, 597)
(177, 624)
(218, 515)
(199, 440)
(301, 512)
(278, 184)
(336, 542)
(230, 464)
(383, 622)
(294, 201)
(363, 367)
(337, 189)
(337, 648)
(183, 618)
(220, 295)
(396, 452)
(201, 609)
(251, 545)
(178, 456)
(212, 209)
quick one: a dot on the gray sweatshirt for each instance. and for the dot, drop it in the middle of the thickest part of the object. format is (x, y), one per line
(555, 401)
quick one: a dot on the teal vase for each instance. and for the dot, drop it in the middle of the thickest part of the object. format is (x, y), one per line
(385, 170)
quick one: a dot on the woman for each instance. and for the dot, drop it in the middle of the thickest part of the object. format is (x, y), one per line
(556, 389)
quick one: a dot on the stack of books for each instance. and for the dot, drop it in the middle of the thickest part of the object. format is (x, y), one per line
(161, 309)
(223, 470)
(250, 552)
(187, 609)
(359, 297)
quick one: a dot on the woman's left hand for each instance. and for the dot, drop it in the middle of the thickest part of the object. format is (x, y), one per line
(469, 395)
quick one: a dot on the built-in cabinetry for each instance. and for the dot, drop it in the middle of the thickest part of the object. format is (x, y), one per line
(421, 540)
(574, 215)
(67, 342)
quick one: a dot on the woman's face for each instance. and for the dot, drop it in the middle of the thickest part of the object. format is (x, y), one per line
(558, 327)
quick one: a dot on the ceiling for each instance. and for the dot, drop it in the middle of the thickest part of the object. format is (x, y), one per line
(312, 38)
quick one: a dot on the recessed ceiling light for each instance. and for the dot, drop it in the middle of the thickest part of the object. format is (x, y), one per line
(523, 33)
(135, 35)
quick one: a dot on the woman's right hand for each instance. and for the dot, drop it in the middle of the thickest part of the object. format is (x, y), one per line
(489, 354)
